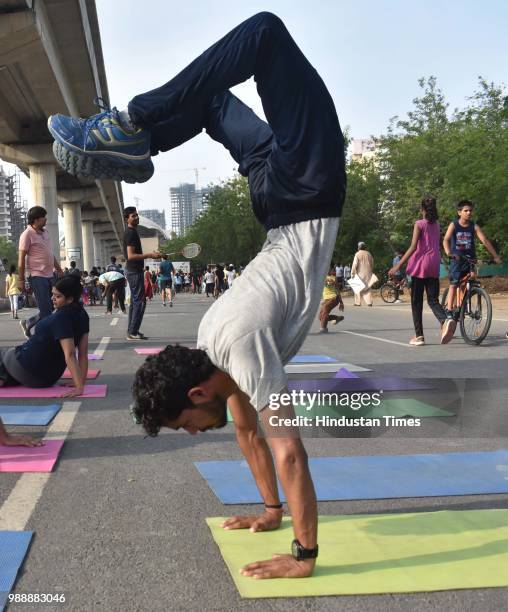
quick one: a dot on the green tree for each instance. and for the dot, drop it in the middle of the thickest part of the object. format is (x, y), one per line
(227, 230)
(362, 218)
(8, 251)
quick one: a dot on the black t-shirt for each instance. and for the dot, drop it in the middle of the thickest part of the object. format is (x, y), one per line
(131, 238)
(42, 355)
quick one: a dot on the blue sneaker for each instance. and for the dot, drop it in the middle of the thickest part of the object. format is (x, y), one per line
(100, 147)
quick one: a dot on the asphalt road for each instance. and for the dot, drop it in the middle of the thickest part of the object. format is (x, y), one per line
(120, 523)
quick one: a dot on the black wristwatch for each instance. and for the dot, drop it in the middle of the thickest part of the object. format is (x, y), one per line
(300, 552)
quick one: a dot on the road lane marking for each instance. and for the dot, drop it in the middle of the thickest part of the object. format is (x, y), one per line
(102, 346)
(342, 331)
(425, 312)
(114, 321)
(18, 507)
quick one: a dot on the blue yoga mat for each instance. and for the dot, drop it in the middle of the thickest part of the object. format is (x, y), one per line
(312, 359)
(13, 548)
(28, 415)
(376, 477)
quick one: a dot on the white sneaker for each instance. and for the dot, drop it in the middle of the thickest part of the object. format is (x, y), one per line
(417, 341)
(447, 330)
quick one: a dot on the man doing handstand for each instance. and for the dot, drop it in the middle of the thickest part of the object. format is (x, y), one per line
(295, 168)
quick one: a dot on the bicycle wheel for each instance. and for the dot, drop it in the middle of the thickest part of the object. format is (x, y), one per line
(475, 321)
(388, 293)
(444, 298)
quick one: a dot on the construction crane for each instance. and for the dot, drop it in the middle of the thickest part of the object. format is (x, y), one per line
(196, 173)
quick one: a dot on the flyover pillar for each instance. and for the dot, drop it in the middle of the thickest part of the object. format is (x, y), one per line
(43, 186)
(72, 232)
(88, 245)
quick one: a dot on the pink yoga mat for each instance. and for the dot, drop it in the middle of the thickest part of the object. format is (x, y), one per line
(90, 375)
(56, 391)
(154, 350)
(94, 357)
(28, 459)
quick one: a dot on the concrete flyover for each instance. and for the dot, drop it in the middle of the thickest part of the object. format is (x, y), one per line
(51, 62)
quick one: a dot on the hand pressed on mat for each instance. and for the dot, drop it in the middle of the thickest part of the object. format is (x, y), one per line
(268, 521)
(73, 391)
(279, 566)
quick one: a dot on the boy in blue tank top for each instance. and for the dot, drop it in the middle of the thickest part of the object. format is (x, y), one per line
(459, 242)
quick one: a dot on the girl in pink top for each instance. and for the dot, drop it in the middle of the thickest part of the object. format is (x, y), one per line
(423, 266)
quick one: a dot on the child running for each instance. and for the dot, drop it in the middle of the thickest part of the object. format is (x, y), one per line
(330, 299)
(423, 267)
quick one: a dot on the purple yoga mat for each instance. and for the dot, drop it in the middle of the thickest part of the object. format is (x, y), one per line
(56, 391)
(345, 373)
(337, 385)
(30, 459)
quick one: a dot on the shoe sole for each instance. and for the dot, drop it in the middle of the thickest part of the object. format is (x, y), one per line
(101, 168)
(450, 331)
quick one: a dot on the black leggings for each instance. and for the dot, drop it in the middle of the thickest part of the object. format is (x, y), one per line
(431, 285)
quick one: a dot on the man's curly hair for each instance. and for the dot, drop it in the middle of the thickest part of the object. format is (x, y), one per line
(161, 384)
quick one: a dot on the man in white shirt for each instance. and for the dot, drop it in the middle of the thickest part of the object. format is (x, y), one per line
(209, 282)
(231, 275)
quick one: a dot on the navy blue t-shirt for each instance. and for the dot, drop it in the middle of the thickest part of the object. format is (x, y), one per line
(42, 355)
(463, 239)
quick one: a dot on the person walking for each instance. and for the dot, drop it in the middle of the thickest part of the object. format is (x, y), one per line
(209, 281)
(35, 247)
(339, 273)
(12, 290)
(363, 267)
(424, 259)
(134, 265)
(166, 282)
(148, 283)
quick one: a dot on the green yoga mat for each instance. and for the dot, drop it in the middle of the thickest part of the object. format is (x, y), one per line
(380, 553)
(405, 407)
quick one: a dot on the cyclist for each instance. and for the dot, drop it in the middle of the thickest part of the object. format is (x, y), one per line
(398, 276)
(459, 245)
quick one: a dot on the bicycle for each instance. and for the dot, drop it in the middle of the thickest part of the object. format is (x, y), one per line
(473, 306)
(391, 289)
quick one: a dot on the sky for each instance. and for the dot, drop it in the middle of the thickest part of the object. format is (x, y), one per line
(370, 55)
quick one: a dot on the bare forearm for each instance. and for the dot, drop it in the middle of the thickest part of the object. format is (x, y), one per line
(83, 366)
(488, 245)
(298, 487)
(259, 458)
(74, 369)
